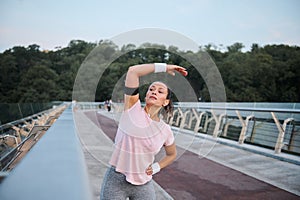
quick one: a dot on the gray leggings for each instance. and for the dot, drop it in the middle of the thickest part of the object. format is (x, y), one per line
(115, 187)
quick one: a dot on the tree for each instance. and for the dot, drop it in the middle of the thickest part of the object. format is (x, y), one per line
(8, 76)
(38, 85)
(265, 73)
(236, 47)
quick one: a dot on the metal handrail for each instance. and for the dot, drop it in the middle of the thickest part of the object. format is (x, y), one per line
(281, 110)
(55, 167)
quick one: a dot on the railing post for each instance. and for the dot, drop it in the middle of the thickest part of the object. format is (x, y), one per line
(192, 117)
(169, 117)
(199, 118)
(206, 123)
(279, 144)
(182, 123)
(20, 111)
(180, 114)
(244, 126)
(218, 123)
(172, 117)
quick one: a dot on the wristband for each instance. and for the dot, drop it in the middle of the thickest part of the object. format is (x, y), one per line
(160, 67)
(155, 168)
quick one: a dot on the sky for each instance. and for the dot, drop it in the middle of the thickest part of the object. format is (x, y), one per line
(54, 23)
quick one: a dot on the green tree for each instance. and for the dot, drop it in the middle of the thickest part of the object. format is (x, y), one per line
(8, 76)
(38, 85)
(265, 73)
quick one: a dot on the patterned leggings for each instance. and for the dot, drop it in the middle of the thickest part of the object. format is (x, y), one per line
(115, 187)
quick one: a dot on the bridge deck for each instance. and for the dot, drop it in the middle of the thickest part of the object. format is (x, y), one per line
(204, 170)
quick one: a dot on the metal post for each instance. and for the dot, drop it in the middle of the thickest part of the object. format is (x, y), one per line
(218, 123)
(172, 118)
(192, 118)
(20, 110)
(279, 144)
(14, 137)
(206, 124)
(244, 126)
(199, 118)
(182, 123)
(169, 117)
(32, 108)
(180, 114)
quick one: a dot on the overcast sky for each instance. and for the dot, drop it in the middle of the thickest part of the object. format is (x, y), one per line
(52, 23)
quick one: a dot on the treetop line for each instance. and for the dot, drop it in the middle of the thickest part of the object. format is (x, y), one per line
(264, 74)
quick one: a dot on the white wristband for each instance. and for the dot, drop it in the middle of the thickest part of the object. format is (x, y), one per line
(155, 168)
(160, 67)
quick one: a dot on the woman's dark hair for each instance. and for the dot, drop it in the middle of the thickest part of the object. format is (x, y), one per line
(170, 107)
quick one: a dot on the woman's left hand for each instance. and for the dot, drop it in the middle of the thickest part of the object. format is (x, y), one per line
(172, 68)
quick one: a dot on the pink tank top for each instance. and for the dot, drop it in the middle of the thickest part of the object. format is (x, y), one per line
(138, 140)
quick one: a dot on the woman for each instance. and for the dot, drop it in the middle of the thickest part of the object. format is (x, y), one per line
(140, 136)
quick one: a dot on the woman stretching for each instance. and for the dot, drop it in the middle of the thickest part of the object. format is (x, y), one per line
(140, 136)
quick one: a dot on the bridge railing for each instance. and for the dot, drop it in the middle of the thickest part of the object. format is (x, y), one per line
(53, 169)
(270, 125)
(275, 128)
(24, 132)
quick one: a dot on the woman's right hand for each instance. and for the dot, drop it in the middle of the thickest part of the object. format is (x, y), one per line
(172, 68)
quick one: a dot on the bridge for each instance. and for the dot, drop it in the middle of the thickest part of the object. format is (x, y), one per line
(224, 151)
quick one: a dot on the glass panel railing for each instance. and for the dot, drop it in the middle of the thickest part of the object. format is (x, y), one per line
(23, 124)
(10, 112)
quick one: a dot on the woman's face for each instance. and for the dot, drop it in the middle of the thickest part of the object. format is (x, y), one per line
(157, 94)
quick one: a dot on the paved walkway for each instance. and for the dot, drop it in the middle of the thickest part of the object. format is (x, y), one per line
(205, 168)
(97, 148)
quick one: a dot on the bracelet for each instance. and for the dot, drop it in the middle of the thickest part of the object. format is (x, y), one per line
(160, 67)
(155, 168)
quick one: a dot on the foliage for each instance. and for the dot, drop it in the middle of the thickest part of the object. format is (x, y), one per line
(263, 74)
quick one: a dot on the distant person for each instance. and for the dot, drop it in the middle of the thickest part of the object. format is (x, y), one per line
(140, 136)
(74, 105)
(108, 105)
